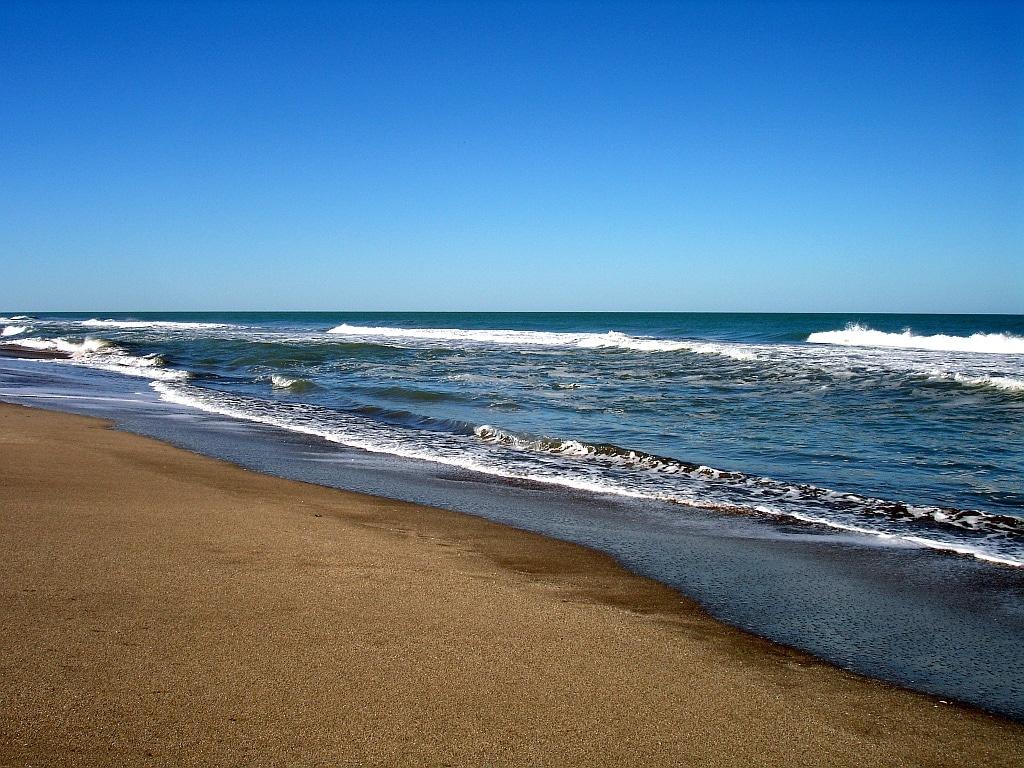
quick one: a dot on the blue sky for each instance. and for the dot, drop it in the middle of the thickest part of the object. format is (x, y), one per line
(552, 156)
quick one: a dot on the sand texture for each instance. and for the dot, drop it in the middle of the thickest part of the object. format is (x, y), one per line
(162, 608)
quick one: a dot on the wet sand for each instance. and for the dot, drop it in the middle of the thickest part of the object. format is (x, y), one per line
(162, 608)
(27, 353)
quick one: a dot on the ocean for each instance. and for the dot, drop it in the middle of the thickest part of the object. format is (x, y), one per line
(808, 453)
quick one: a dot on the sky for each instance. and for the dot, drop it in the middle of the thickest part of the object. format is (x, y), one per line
(552, 156)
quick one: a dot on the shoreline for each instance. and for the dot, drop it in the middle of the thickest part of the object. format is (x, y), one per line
(164, 606)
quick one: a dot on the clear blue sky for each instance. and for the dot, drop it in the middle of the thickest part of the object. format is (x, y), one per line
(765, 156)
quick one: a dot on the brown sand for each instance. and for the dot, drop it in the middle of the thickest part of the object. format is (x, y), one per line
(161, 608)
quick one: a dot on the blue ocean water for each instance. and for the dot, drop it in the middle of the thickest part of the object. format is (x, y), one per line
(895, 426)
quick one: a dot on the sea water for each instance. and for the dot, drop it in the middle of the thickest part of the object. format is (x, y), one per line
(899, 431)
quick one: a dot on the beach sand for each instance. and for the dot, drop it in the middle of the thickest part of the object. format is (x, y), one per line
(162, 608)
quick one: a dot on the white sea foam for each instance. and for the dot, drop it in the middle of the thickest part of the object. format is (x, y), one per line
(577, 465)
(1008, 383)
(861, 336)
(278, 381)
(136, 366)
(107, 356)
(13, 330)
(610, 340)
(67, 346)
(282, 382)
(164, 324)
(369, 436)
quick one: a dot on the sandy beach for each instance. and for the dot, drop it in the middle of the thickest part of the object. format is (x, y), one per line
(162, 608)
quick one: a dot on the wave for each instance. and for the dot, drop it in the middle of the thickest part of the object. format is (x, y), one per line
(1007, 383)
(609, 469)
(363, 433)
(164, 324)
(802, 503)
(105, 355)
(65, 346)
(856, 335)
(277, 381)
(13, 330)
(609, 340)
(601, 451)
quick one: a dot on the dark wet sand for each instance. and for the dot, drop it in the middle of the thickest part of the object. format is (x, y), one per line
(162, 608)
(27, 353)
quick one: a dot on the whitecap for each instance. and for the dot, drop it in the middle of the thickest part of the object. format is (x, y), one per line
(278, 381)
(995, 381)
(609, 340)
(164, 324)
(856, 335)
(105, 355)
(1008, 383)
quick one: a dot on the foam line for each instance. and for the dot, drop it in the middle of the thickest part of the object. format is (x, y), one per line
(609, 340)
(861, 336)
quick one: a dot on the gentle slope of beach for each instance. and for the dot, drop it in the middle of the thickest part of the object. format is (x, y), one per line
(164, 608)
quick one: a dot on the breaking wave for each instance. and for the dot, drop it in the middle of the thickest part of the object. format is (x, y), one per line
(164, 324)
(609, 340)
(860, 336)
(277, 381)
(609, 469)
(105, 355)
(766, 488)
(1007, 383)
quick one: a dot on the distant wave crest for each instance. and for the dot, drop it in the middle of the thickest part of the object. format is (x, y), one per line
(165, 324)
(609, 340)
(860, 336)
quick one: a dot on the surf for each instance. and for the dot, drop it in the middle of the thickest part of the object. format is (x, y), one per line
(856, 335)
(608, 340)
